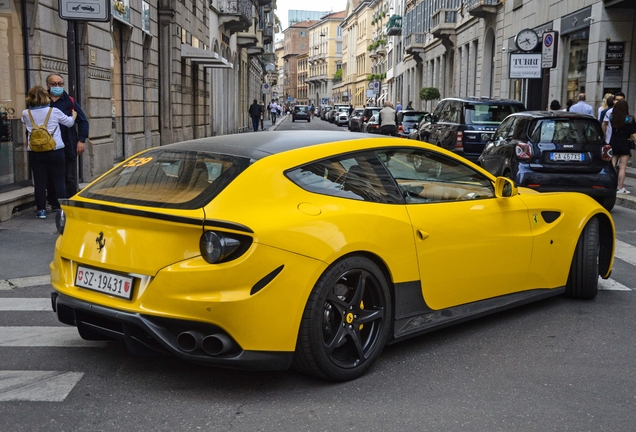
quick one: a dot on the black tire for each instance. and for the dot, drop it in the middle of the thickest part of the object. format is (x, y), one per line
(608, 203)
(584, 271)
(346, 321)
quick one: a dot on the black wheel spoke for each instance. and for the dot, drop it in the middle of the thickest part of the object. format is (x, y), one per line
(357, 342)
(338, 303)
(359, 292)
(369, 315)
(338, 339)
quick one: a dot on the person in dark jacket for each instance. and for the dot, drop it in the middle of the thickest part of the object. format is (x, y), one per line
(623, 127)
(255, 112)
(74, 137)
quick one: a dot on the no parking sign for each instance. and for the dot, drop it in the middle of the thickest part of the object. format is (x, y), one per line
(549, 49)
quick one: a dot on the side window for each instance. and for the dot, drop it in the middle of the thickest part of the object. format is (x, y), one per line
(359, 176)
(439, 111)
(455, 112)
(504, 129)
(429, 177)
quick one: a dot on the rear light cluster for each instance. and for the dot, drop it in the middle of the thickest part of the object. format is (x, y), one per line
(460, 140)
(400, 129)
(217, 247)
(524, 151)
(607, 153)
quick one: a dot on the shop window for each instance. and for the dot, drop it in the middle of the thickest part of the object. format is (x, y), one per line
(577, 63)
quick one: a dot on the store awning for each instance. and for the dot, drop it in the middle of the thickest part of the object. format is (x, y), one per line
(208, 59)
(381, 98)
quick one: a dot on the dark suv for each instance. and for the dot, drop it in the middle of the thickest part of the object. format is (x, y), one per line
(553, 151)
(301, 112)
(465, 125)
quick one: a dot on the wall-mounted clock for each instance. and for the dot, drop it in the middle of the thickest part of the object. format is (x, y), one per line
(527, 40)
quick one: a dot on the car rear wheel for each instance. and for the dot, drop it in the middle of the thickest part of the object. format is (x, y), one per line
(583, 278)
(346, 321)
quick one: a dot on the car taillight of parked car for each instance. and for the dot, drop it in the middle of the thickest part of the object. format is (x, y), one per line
(460, 140)
(374, 126)
(607, 152)
(400, 129)
(524, 151)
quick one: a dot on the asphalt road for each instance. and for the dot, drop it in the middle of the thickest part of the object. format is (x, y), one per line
(555, 365)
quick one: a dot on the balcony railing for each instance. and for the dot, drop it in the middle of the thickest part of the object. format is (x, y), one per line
(268, 34)
(236, 15)
(394, 26)
(482, 8)
(414, 43)
(443, 22)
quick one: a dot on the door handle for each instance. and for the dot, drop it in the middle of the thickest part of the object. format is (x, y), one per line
(423, 235)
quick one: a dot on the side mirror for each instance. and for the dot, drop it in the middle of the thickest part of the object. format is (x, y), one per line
(416, 125)
(505, 188)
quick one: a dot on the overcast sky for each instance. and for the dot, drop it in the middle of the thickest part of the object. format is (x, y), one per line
(283, 6)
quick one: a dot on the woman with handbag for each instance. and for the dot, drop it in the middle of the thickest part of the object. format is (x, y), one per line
(623, 127)
(46, 148)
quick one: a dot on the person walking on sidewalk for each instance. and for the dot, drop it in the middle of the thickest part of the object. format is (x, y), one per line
(623, 127)
(255, 112)
(582, 107)
(273, 109)
(46, 163)
(74, 137)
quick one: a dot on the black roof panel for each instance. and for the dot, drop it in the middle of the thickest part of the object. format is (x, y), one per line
(262, 144)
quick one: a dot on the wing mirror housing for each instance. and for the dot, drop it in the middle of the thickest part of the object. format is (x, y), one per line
(505, 188)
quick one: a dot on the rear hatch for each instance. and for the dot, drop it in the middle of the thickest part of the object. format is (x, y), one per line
(147, 212)
(567, 145)
(482, 120)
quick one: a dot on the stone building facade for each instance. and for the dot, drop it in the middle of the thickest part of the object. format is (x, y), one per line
(157, 72)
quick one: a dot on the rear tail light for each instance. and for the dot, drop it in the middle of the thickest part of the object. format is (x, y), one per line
(607, 152)
(400, 129)
(217, 247)
(524, 151)
(460, 140)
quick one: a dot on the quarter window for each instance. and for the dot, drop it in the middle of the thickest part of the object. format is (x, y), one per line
(360, 176)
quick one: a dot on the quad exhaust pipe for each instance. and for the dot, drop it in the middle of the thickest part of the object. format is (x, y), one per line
(213, 345)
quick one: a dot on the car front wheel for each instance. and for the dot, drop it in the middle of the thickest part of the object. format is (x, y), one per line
(583, 278)
(346, 321)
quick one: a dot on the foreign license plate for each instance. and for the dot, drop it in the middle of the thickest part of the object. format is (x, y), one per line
(104, 282)
(579, 157)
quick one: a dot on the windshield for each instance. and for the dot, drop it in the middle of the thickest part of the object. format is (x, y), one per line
(489, 114)
(182, 179)
(565, 131)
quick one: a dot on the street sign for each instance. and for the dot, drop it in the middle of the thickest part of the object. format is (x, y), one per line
(525, 65)
(549, 49)
(266, 88)
(85, 10)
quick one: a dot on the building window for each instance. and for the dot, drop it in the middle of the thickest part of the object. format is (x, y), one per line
(577, 64)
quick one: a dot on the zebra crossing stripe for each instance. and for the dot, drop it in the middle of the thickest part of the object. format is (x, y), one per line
(24, 282)
(25, 304)
(37, 386)
(45, 337)
(611, 285)
(625, 252)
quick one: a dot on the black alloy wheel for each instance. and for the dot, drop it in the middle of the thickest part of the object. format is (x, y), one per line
(346, 321)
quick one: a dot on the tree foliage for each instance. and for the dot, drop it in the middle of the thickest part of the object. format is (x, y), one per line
(429, 93)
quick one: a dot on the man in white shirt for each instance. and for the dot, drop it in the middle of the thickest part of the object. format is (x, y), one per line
(273, 109)
(581, 106)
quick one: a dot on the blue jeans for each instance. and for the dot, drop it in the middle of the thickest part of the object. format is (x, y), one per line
(255, 122)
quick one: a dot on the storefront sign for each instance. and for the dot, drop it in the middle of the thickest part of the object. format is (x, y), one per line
(576, 21)
(87, 10)
(121, 10)
(614, 57)
(525, 65)
(549, 49)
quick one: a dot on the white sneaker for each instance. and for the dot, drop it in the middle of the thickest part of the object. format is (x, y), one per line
(623, 191)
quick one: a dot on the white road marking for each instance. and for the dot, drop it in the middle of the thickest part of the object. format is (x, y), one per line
(25, 304)
(24, 282)
(45, 337)
(611, 285)
(625, 252)
(37, 386)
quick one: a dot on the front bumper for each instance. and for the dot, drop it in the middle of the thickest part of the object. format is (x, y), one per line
(144, 334)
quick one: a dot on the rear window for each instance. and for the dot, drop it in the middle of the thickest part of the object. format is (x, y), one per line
(413, 117)
(565, 131)
(168, 179)
(487, 114)
(300, 108)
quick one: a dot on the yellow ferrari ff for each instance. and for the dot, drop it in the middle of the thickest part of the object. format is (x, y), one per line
(311, 250)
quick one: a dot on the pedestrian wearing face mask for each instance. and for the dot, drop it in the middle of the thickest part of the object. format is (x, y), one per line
(46, 164)
(74, 137)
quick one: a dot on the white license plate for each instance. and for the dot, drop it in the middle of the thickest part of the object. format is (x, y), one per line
(567, 157)
(104, 282)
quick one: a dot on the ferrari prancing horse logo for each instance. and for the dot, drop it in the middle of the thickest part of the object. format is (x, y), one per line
(535, 219)
(101, 242)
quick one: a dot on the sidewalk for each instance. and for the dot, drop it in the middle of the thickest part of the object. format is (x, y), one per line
(267, 124)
